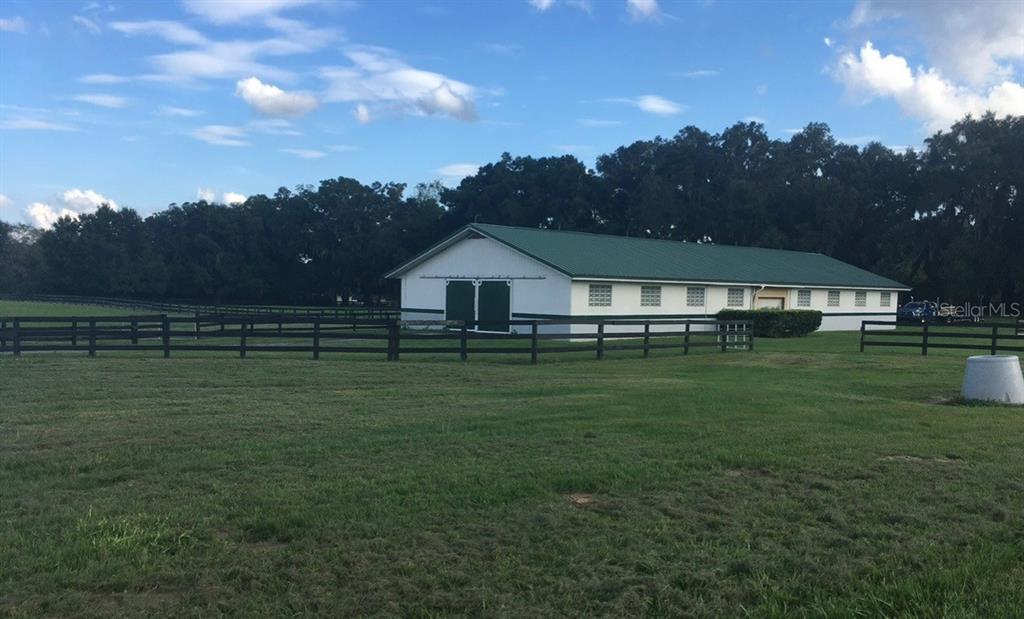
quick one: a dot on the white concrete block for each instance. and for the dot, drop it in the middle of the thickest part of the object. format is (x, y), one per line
(996, 378)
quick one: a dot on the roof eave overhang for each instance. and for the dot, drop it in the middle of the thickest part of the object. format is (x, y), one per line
(668, 280)
(454, 238)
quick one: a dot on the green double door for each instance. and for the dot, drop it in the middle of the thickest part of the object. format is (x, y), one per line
(486, 307)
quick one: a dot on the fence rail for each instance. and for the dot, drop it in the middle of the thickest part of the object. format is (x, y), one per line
(391, 338)
(991, 337)
(366, 312)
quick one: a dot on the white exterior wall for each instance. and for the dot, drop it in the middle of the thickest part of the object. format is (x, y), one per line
(536, 288)
(539, 291)
(626, 303)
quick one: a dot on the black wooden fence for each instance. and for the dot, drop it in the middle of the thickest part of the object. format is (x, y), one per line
(993, 337)
(171, 307)
(391, 338)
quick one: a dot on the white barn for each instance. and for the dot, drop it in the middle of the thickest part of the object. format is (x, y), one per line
(494, 273)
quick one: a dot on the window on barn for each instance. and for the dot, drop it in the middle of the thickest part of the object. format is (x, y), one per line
(886, 299)
(694, 296)
(803, 298)
(650, 296)
(833, 298)
(734, 298)
(861, 299)
(600, 295)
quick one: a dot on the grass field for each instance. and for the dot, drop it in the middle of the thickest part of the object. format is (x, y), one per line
(804, 479)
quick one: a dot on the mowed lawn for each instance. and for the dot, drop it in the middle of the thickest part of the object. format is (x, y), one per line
(804, 479)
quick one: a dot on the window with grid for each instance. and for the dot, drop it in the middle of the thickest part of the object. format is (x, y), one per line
(734, 298)
(833, 298)
(803, 298)
(861, 299)
(694, 297)
(650, 296)
(886, 299)
(600, 295)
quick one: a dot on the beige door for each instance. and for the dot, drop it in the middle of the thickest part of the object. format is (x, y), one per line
(770, 303)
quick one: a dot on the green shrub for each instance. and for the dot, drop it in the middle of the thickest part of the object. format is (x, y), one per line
(776, 323)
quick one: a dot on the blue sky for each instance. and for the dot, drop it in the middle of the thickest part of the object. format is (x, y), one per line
(143, 104)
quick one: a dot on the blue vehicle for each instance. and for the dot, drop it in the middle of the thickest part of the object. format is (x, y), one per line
(918, 311)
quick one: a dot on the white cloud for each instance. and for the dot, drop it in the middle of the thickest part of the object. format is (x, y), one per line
(5, 201)
(755, 119)
(458, 170)
(13, 24)
(274, 126)
(652, 104)
(209, 194)
(72, 203)
(184, 112)
(270, 100)
(643, 9)
(231, 197)
(221, 135)
(206, 59)
(828, 42)
(502, 49)
(304, 153)
(111, 101)
(102, 78)
(378, 77)
(859, 140)
(761, 89)
(234, 59)
(542, 5)
(974, 42)
(598, 122)
(43, 215)
(232, 11)
(33, 124)
(170, 31)
(87, 23)
(923, 94)
(696, 73)
(85, 200)
(362, 114)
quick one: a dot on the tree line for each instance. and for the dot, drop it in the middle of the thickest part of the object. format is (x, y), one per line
(945, 219)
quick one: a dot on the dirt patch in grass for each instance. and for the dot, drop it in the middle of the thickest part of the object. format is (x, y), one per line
(947, 459)
(580, 499)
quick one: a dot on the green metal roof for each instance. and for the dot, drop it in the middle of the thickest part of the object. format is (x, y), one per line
(603, 256)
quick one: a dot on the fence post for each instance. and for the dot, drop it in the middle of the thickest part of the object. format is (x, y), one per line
(686, 339)
(391, 340)
(135, 331)
(398, 339)
(533, 341)
(166, 335)
(723, 335)
(862, 336)
(241, 339)
(647, 338)
(600, 340)
(74, 333)
(92, 338)
(3, 336)
(995, 339)
(316, 338)
(924, 339)
(463, 342)
(16, 337)
(197, 326)
(749, 328)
